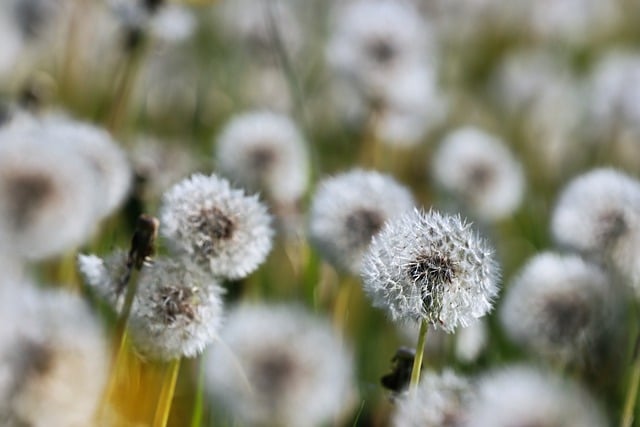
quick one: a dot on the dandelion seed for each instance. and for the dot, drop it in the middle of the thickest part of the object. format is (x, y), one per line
(424, 266)
(560, 307)
(47, 197)
(219, 227)
(440, 401)
(264, 151)
(479, 169)
(598, 215)
(176, 312)
(525, 396)
(106, 276)
(55, 363)
(349, 209)
(291, 368)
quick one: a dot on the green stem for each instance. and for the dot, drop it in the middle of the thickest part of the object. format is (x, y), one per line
(166, 394)
(632, 391)
(196, 418)
(417, 361)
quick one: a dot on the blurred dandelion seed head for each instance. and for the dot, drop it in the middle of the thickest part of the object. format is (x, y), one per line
(349, 209)
(291, 368)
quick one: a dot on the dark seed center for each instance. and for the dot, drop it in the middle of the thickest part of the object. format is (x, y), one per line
(567, 316)
(382, 51)
(362, 225)
(28, 194)
(480, 176)
(613, 226)
(175, 301)
(215, 224)
(273, 372)
(429, 272)
(261, 159)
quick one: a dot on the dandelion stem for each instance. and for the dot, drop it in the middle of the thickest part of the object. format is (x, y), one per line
(417, 361)
(341, 305)
(166, 394)
(632, 391)
(196, 418)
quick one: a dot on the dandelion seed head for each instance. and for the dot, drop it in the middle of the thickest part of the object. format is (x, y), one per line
(101, 152)
(290, 368)
(176, 312)
(521, 395)
(372, 40)
(55, 363)
(349, 209)
(598, 215)
(479, 169)
(560, 307)
(219, 227)
(432, 267)
(41, 187)
(439, 401)
(264, 151)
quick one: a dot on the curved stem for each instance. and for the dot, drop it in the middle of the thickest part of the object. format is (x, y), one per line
(417, 361)
(632, 391)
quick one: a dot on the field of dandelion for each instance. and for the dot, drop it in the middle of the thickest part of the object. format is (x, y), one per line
(319, 213)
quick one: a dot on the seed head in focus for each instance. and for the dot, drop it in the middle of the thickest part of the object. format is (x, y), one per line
(219, 227)
(432, 267)
(176, 312)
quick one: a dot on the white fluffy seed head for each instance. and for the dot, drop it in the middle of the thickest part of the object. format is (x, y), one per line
(598, 215)
(282, 367)
(47, 196)
(264, 151)
(560, 307)
(219, 227)
(525, 396)
(349, 209)
(613, 89)
(106, 276)
(101, 152)
(54, 363)
(176, 312)
(371, 41)
(432, 267)
(439, 401)
(478, 169)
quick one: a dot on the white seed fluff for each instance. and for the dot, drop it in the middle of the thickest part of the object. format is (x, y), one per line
(478, 169)
(282, 367)
(217, 226)
(47, 196)
(106, 276)
(439, 401)
(598, 215)
(349, 209)
(432, 267)
(264, 151)
(55, 362)
(177, 311)
(525, 396)
(560, 307)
